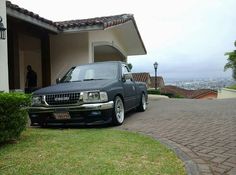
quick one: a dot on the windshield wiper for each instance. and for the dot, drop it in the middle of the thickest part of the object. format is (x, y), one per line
(76, 81)
(90, 79)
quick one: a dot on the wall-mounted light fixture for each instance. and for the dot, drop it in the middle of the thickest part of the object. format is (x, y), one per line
(2, 30)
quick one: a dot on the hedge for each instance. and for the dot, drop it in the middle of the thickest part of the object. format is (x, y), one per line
(153, 91)
(13, 115)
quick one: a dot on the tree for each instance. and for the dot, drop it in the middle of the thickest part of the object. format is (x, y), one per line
(231, 61)
(130, 66)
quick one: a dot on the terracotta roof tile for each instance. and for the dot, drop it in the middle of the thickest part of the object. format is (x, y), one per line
(27, 12)
(105, 22)
(143, 77)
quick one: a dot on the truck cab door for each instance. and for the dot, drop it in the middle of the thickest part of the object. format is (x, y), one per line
(129, 88)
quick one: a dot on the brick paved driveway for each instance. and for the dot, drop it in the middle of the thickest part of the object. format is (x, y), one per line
(204, 129)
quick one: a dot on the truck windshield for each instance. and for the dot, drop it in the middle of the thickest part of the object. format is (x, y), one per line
(91, 72)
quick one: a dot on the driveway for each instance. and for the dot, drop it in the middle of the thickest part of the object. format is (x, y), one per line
(202, 130)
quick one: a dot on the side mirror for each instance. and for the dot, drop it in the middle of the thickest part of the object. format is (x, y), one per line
(127, 76)
(58, 80)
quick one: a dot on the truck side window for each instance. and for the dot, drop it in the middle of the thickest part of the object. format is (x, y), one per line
(125, 70)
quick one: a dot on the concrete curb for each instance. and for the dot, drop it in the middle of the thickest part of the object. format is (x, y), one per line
(190, 166)
(157, 97)
(194, 165)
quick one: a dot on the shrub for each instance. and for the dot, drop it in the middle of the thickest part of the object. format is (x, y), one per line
(13, 115)
(178, 96)
(153, 91)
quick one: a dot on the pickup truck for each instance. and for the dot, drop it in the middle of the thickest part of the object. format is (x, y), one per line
(93, 94)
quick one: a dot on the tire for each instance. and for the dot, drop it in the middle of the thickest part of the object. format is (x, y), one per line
(43, 125)
(118, 111)
(143, 103)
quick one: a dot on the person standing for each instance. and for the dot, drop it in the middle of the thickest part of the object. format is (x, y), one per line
(31, 79)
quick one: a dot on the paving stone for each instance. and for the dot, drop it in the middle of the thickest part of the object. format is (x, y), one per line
(209, 143)
(219, 159)
(204, 167)
(220, 150)
(205, 127)
(199, 161)
(206, 173)
(232, 171)
(226, 163)
(219, 170)
(232, 159)
(206, 150)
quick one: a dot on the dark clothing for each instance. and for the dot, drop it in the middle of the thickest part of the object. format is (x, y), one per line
(31, 79)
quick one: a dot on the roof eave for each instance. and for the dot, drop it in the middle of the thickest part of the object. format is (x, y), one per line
(132, 21)
(83, 29)
(21, 16)
(139, 35)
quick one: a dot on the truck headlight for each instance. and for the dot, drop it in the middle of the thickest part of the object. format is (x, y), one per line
(103, 96)
(94, 96)
(36, 100)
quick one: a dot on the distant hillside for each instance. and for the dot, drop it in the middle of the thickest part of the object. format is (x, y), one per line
(191, 94)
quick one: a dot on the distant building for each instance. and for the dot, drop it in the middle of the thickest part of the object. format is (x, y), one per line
(142, 77)
(160, 82)
(191, 94)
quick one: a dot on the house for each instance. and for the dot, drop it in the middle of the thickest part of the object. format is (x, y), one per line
(191, 94)
(160, 82)
(51, 48)
(142, 77)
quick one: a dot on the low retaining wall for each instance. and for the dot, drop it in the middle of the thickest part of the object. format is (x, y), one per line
(226, 93)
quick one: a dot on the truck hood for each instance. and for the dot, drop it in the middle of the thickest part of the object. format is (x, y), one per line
(75, 87)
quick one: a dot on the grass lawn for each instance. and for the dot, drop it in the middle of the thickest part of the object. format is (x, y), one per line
(232, 87)
(87, 151)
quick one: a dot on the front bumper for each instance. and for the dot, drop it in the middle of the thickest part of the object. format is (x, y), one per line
(83, 107)
(96, 113)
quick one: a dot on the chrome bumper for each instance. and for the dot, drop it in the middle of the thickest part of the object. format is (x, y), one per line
(83, 107)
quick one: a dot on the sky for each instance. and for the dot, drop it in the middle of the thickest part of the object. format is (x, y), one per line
(187, 38)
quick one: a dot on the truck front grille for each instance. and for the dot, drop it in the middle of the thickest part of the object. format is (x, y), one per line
(60, 99)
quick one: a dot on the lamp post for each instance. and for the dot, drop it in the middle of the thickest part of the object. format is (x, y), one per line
(155, 67)
(2, 30)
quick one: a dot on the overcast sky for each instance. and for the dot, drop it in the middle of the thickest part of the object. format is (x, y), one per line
(188, 38)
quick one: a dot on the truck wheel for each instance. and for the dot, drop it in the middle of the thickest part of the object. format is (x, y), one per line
(118, 111)
(143, 104)
(42, 125)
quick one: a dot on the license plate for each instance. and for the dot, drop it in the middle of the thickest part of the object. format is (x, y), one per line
(62, 115)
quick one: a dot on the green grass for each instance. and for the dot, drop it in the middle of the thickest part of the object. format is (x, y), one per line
(232, 87)
(87, 151)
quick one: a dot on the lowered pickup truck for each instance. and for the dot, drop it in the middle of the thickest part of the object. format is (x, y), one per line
(95, 93)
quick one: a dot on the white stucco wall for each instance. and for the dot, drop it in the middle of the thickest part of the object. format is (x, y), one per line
(4, 84)
(102, 37)
(72, 49)
(67, 50)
